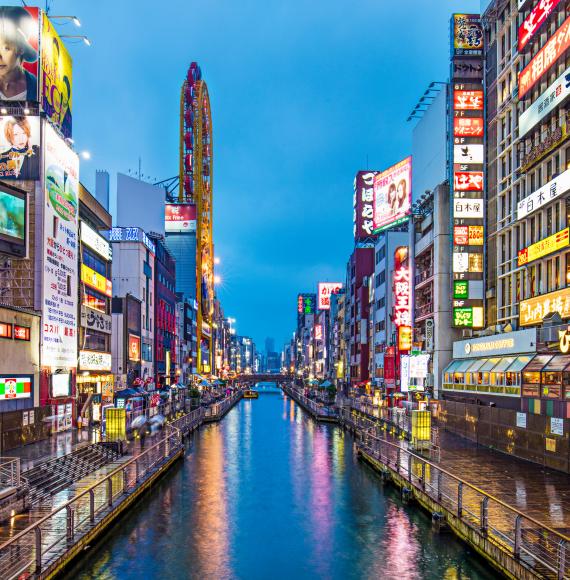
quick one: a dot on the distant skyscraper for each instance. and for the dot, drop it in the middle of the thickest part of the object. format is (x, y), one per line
(269, 345)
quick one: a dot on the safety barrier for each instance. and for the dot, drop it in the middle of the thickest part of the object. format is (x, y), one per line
(320, 412)
(9, 472)
(44, 542)
(537, 547)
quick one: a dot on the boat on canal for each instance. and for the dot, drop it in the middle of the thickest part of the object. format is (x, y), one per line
(250, 394)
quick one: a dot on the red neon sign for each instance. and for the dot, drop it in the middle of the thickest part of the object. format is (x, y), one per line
(544, 58)
(468, 100)
(402, 289)
(468, 127)
(534, 20)
(468, 181)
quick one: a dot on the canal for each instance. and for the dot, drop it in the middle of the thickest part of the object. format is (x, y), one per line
(269, 493)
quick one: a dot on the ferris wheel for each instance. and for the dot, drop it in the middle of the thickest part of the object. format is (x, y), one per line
(195, 187)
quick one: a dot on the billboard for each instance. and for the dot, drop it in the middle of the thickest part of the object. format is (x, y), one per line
(468, 100)
(59, 301)
(326, 289)
(393, 195)
(363, 205)
(467, 208)
(533, 310)
(468, 127)
(535, 19)
(13, 219)
(544, 58)
(20, 148)
(549, 245)
(468, 154)
(180, 217)
(56, 74)
(543, 196)
(552, 97)
(402, 289)
(134, 348)
(467, 35)
(15, 387)
(19, 34)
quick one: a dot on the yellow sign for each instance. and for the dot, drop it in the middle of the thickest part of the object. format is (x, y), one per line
(564, 336)
(95, 280)
(56, 75)
(116, 422)
(533, 310)
(547, 246)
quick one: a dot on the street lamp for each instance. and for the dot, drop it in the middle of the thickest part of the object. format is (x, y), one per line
(217, 279)
(73, 19)
(217, 260)
(78, 36)
(85, 155)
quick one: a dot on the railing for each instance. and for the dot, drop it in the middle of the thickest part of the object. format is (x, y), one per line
(39, 545)
(9, 472)
(218, 410)
(316, 409)
(190, 421)
(538, 547)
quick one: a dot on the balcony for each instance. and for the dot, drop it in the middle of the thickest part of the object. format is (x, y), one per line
(424, 311)
(423, 276)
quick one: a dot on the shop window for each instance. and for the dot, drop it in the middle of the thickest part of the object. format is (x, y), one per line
(531, 384)
(94, 300)
(94, 340)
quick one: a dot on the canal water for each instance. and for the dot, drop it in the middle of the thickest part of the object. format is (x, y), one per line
(269, 493)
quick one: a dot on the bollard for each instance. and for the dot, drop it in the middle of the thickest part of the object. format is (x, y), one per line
(437, 522)
(484, 517)
(407, 495)
(91, 505)
(38, 534)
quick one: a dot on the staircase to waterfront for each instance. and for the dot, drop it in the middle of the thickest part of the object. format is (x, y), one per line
(50, 477)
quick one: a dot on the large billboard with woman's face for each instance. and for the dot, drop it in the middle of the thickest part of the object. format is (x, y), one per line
(20, 148)
(56, 79)
(393, 195)
(19, 39)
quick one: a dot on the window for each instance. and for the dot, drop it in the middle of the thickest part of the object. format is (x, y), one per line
(94, 340)
(94, 300)
(93, 262)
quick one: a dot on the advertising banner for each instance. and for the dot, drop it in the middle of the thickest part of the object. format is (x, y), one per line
(536, 18)
(468, 154)
(20, 34)
(363, 205)
(468, 100)
(402, 289)
(467, 69)
(547, 193)
(544, 58)
(393, 195)
(59, 308)
(134, 348)
(547, 246)
(90, 360)
(467, 34)
(326, 289)
(180, 217)
(20, 148)
(95, 242)
(96, 281)
(95, 320)
(533, 310)
(465, 208)
(554, 96)
(57, 83)
(15, 387)
(468, 127)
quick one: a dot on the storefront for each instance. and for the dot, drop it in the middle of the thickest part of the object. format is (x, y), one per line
(490, 368)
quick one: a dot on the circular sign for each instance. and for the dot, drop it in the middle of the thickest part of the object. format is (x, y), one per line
(467, 348)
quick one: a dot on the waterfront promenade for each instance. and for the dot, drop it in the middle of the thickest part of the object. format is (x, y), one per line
(46, 538)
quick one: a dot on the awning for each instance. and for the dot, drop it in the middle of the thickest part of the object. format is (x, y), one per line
(557, 363)
(504, 364)
(464, 365)
(520, 363)
(490, 364)
(476, 365)
(452, 366)
(537, 363)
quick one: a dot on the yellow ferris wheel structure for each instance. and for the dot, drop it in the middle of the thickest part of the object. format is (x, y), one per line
(195, 187)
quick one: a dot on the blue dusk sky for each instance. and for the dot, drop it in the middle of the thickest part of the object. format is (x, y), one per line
(303, 95)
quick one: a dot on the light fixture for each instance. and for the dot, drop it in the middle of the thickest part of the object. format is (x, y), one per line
(4, 111)
(216, 259)
(217, 279)
(77, 36)
(73, 19)
(85, 155)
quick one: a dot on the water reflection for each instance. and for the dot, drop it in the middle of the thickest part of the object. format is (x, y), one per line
(269, 493)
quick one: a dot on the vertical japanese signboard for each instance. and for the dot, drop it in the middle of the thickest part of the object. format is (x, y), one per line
(402, 290)
(59, 307)
(363, 204)
(326, 289)
(467, 177)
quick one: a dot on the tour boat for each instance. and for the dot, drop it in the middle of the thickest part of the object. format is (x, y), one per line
(250, 394)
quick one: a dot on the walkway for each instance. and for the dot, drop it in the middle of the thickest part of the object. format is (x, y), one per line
(542, 494)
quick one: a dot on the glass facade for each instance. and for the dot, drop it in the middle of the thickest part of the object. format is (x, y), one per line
(183, 249)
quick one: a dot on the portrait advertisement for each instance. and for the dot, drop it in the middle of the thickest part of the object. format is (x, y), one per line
(19, 38)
